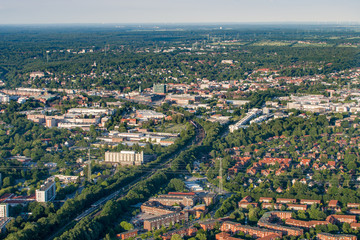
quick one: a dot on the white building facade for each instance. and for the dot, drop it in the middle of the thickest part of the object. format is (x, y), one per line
(125, 157)
(47, 192)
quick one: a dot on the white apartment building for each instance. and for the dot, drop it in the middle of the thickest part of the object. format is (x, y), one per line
(250, 115)
(4, 98)
(149, 114)
(90, 111)
(125, 157)
(4, 210)
(47, 192)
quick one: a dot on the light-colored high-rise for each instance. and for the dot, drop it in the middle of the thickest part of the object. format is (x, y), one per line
(125, 157)
(4, 210)
(47, 192)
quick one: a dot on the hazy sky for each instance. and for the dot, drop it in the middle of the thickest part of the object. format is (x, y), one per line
(177, 11)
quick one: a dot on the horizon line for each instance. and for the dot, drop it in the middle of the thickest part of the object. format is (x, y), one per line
(192, 23)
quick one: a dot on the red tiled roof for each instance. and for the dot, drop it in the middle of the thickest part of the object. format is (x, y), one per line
(333, 203)
(355, 225)
(307, 201)
(182, 193)
(261, 199)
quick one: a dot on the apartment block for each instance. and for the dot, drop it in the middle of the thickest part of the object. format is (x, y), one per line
(209, 225)
(47, 192)
(353, 205)
(285, 200)
(309, 202)
(225, 236)
(328, 236)
(125, 157)
(164, 220)
(334, 219)
(128, 234)
(4, 210)
(190, 231)
(256, 232)
(153, 207)
(297, 207)
(171, 199)
(268, 220)
(275, 206)
(305, 224)
(266, 199)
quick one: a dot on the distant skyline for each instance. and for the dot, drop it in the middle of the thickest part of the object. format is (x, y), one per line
(177, 11)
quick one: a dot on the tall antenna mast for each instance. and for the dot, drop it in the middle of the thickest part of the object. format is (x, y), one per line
(89, 167)
(220, 177)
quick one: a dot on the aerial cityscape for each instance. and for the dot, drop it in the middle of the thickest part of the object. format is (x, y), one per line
(168, 121)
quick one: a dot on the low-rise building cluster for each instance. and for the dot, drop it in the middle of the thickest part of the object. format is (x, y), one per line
(171, 208)
(276, 224)
(284, 163)
(139, 136)
(321, 104)
(75, 117)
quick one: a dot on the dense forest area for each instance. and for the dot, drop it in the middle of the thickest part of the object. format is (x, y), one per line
(115, 58)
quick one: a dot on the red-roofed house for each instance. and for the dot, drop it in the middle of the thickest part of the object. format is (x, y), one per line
(353, 205)
(305, 162)
(272, 161)
(297, 207)
(265, 199)
(251, 171)
(271, 206)
(305, 224)
(286, 200)
(354, 211)
(309, 202)
(265, 172)
(128, 234)
(246, 201)
(331, 164)
(355, 225)
(270, 237)
(209, 225)
(182, 193)
(333, 204)
(334, 219)
(225, 236)
(328, 236)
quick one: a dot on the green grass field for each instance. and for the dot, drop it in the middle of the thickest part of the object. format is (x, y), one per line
(271, 43)
(312, 45)
(349, 46)
(171, 128)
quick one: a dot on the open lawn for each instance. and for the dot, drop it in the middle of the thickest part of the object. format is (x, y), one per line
(171, 128)
(345, 45)
(272, 43)
(310, 44)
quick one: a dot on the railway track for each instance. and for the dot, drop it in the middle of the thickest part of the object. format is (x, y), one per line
(96, 207)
